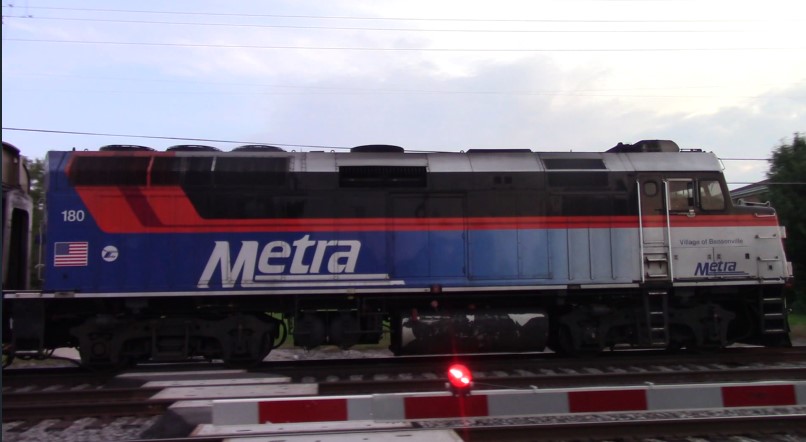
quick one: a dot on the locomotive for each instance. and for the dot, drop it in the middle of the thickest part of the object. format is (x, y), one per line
(198, 253)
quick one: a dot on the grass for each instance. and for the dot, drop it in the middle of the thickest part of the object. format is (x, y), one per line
(797, 322)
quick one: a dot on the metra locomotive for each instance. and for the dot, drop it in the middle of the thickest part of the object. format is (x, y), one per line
(196, 252)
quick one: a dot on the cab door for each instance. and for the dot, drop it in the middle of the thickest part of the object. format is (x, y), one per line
(653, 226)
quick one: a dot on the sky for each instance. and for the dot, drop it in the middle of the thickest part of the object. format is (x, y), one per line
(548, 75)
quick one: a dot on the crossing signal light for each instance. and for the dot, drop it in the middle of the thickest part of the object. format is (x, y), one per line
(460, 379)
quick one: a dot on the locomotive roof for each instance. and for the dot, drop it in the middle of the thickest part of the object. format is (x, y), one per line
(653, 155)
(514, 161)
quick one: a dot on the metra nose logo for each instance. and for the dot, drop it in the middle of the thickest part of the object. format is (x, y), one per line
(303, 259)
(718, 268)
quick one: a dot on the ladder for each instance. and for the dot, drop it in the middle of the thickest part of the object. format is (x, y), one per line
(656, 264)
(773, 313)
(656, 306)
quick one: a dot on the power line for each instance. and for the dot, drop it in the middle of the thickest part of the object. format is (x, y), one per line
(316, 146)
(212, 140)
(382, 49)
(611, 92)
(342, 28)
(288, 90)
(774, 183)
(332, 92)
(426, 19)
(745, 159)
(152, 137)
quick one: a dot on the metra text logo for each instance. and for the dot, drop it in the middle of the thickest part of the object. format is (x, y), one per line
(279, 261)
(718, 268)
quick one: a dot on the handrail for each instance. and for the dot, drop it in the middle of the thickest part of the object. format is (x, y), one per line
(148, 171)
(774, 236)
(668, 230)
(640, 232)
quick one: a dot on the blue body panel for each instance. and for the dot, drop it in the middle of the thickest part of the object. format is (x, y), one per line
(177, 262)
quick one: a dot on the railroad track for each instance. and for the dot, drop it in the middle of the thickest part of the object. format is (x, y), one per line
(546, 370)
(706, 425)
(76, 404)
(72, 395)
(554, 373)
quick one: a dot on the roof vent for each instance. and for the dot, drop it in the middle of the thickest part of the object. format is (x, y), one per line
(646, 146)
(574, 163)
(377, 148)
(499, 151)
(258, 148)
(125, 148)
(193, 148)
(382, 176)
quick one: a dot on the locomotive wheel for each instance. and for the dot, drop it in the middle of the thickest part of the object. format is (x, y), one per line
(309, 331)
(345, 331)
(565, 341)
(567, 344)
(249, 359)
(252, 355)
(680, 337)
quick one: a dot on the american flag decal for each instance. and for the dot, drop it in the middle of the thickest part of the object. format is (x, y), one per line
(70, 254)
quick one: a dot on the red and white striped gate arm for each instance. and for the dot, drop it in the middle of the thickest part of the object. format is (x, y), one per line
(496, 403)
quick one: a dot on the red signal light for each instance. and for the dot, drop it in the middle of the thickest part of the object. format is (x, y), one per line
(460, 378)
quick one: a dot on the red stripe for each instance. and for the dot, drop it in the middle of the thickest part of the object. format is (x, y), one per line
(140, 206)
(168, 210)
(313, 410)
(613, 400)
(758, 395)
(431, 407)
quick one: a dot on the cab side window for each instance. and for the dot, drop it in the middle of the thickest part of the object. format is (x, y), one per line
(711, 196)
(681, 195)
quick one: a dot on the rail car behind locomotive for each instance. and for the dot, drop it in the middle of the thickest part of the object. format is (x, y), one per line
(197, 252)
(17, 218)
(17, 211)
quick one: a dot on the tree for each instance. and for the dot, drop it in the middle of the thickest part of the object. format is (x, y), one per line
(36, 174)
(788, 195)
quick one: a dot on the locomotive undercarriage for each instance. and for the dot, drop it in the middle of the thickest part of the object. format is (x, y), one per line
(240, 339)
(581, 323)
(126, 332)
(657, 318)
(591, 328)
(241, 332)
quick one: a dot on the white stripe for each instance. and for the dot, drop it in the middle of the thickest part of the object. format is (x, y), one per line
(331, 277)
(719, 283)
(683, 398)
(359, 408)
(235, 412)
(329, 283)
(540, 402)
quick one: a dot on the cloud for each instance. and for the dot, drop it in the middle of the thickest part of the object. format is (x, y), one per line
(529, 104)
(423, 100)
